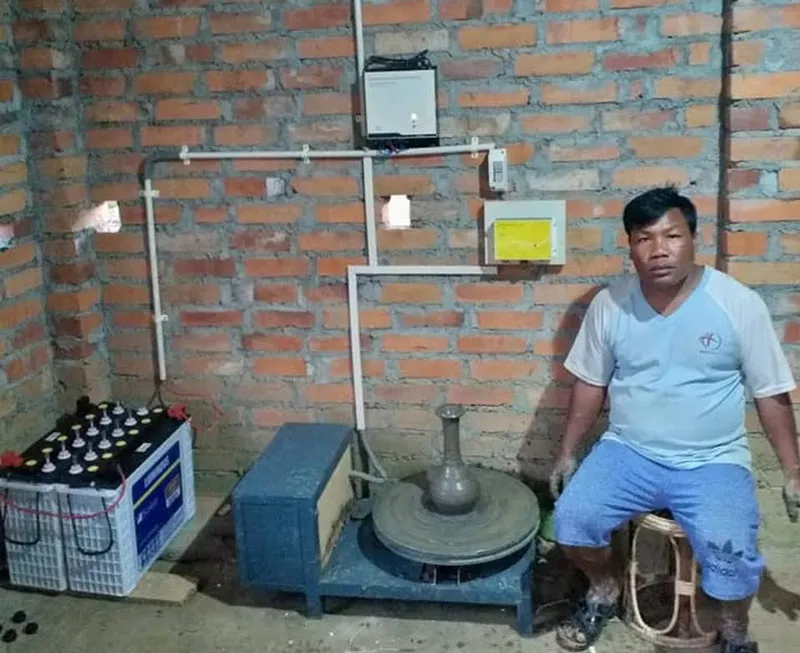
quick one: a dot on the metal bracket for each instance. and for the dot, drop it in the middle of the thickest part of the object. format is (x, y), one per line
(306, 150)
(185, 155)
(475, 142)
(153, 193)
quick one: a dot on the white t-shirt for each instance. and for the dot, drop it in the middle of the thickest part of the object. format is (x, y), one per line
(677, 384)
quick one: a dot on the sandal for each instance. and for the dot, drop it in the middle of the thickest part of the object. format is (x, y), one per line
(583, 628)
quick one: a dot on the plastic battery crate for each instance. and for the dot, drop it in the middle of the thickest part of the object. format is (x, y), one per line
(123, 483)
(31, 529)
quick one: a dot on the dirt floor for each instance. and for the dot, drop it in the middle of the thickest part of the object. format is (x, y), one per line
(223, 617)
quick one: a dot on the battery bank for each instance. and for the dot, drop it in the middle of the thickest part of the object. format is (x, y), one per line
(96, 500)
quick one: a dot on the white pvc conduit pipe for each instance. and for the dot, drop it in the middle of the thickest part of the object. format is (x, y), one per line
(353, 271)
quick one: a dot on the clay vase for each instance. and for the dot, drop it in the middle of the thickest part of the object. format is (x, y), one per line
(452, 489)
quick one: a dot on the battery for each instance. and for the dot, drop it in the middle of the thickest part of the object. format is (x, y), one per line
(97, 499)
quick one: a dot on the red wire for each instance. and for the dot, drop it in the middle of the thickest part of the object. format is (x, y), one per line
(60, 515)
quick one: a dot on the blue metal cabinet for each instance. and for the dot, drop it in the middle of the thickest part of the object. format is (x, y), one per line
(275, 509)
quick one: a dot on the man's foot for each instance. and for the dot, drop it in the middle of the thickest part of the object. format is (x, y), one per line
(727, 647)
(582, 629)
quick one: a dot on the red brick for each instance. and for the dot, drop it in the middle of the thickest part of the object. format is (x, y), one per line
(164, 83)
(586, 94)
(429, 368)
(279, 367)
(110, 58)
(239, 23)
(181, 189)
(744, 243)
(331, 241)
(559, 63)
(564, 293)
(552, 122)
(470, 68)
(485, 344)
(112, 139)
(74, 301)
(403, 185)
(17, 256)
(261, 342)
(482, 396)
(225, 267)
(101, 86)
(277, 267)
(283, 319)
(175, 136)
(30, 334)
(22, 282)
(368, 319)
(312, 77)
(352, 212)
(236, 135)
(187, 109)
(677, 87)
(788, 116)
(432, 319)
(690, 24)
(416, 393)
(682, 147)
(72, 273)
(260, 51)
(765, 86)
(90, 6)
(748, 53)
(488, 292)
(98, 30)
(565, 6)
(765, 149)
(764, 210)
(750, 118)
(268, 214)
(411, 293)
(501, 369)
(167, 27)
(337, 266)
(765, 273)
(396, 12)
(619, 61)
(189, 293)
(582, 31)
(404, 343)
(649, 176)
(333, 15)
(326, 47)
(9, 144)
(332, 293)
(211, 318)
(12, 202)
(743, 178)
(497, 37)
(510, 320)
(789, 179)
(80, 326)
(325, 186)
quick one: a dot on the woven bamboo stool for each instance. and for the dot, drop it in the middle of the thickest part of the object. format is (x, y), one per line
(683, 629)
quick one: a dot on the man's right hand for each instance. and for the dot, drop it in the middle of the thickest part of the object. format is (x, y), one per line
(563, 470)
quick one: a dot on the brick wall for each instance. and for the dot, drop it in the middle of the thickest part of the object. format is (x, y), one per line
(595, 99)
(26, 382)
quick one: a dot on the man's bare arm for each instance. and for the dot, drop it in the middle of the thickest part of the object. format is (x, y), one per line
(585, 404)
(777, 417)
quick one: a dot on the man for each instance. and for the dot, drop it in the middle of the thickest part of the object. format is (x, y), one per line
(675, 349)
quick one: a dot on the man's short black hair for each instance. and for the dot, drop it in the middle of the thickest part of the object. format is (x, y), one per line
(650, 206)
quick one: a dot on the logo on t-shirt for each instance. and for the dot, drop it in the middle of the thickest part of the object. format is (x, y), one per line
(710, 341)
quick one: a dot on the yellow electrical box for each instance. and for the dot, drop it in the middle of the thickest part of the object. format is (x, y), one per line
(522, 240)
(521, 231)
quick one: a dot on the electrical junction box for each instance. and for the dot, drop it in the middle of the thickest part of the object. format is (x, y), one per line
(525, 231)
(400, 108)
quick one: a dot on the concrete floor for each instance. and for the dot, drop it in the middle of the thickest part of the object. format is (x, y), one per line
(222, 617)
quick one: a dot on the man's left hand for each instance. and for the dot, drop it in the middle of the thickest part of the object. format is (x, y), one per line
(791, 497)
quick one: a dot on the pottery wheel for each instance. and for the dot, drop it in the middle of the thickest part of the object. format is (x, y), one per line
(504, 520)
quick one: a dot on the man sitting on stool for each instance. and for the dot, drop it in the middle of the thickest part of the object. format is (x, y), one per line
(675, 348)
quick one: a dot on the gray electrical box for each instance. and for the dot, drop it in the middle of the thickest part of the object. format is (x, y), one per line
(400, 108)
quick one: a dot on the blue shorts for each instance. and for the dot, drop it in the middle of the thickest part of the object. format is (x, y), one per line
(715, 505)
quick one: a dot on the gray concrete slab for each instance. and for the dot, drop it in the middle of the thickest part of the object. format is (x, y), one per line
(223, 617)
